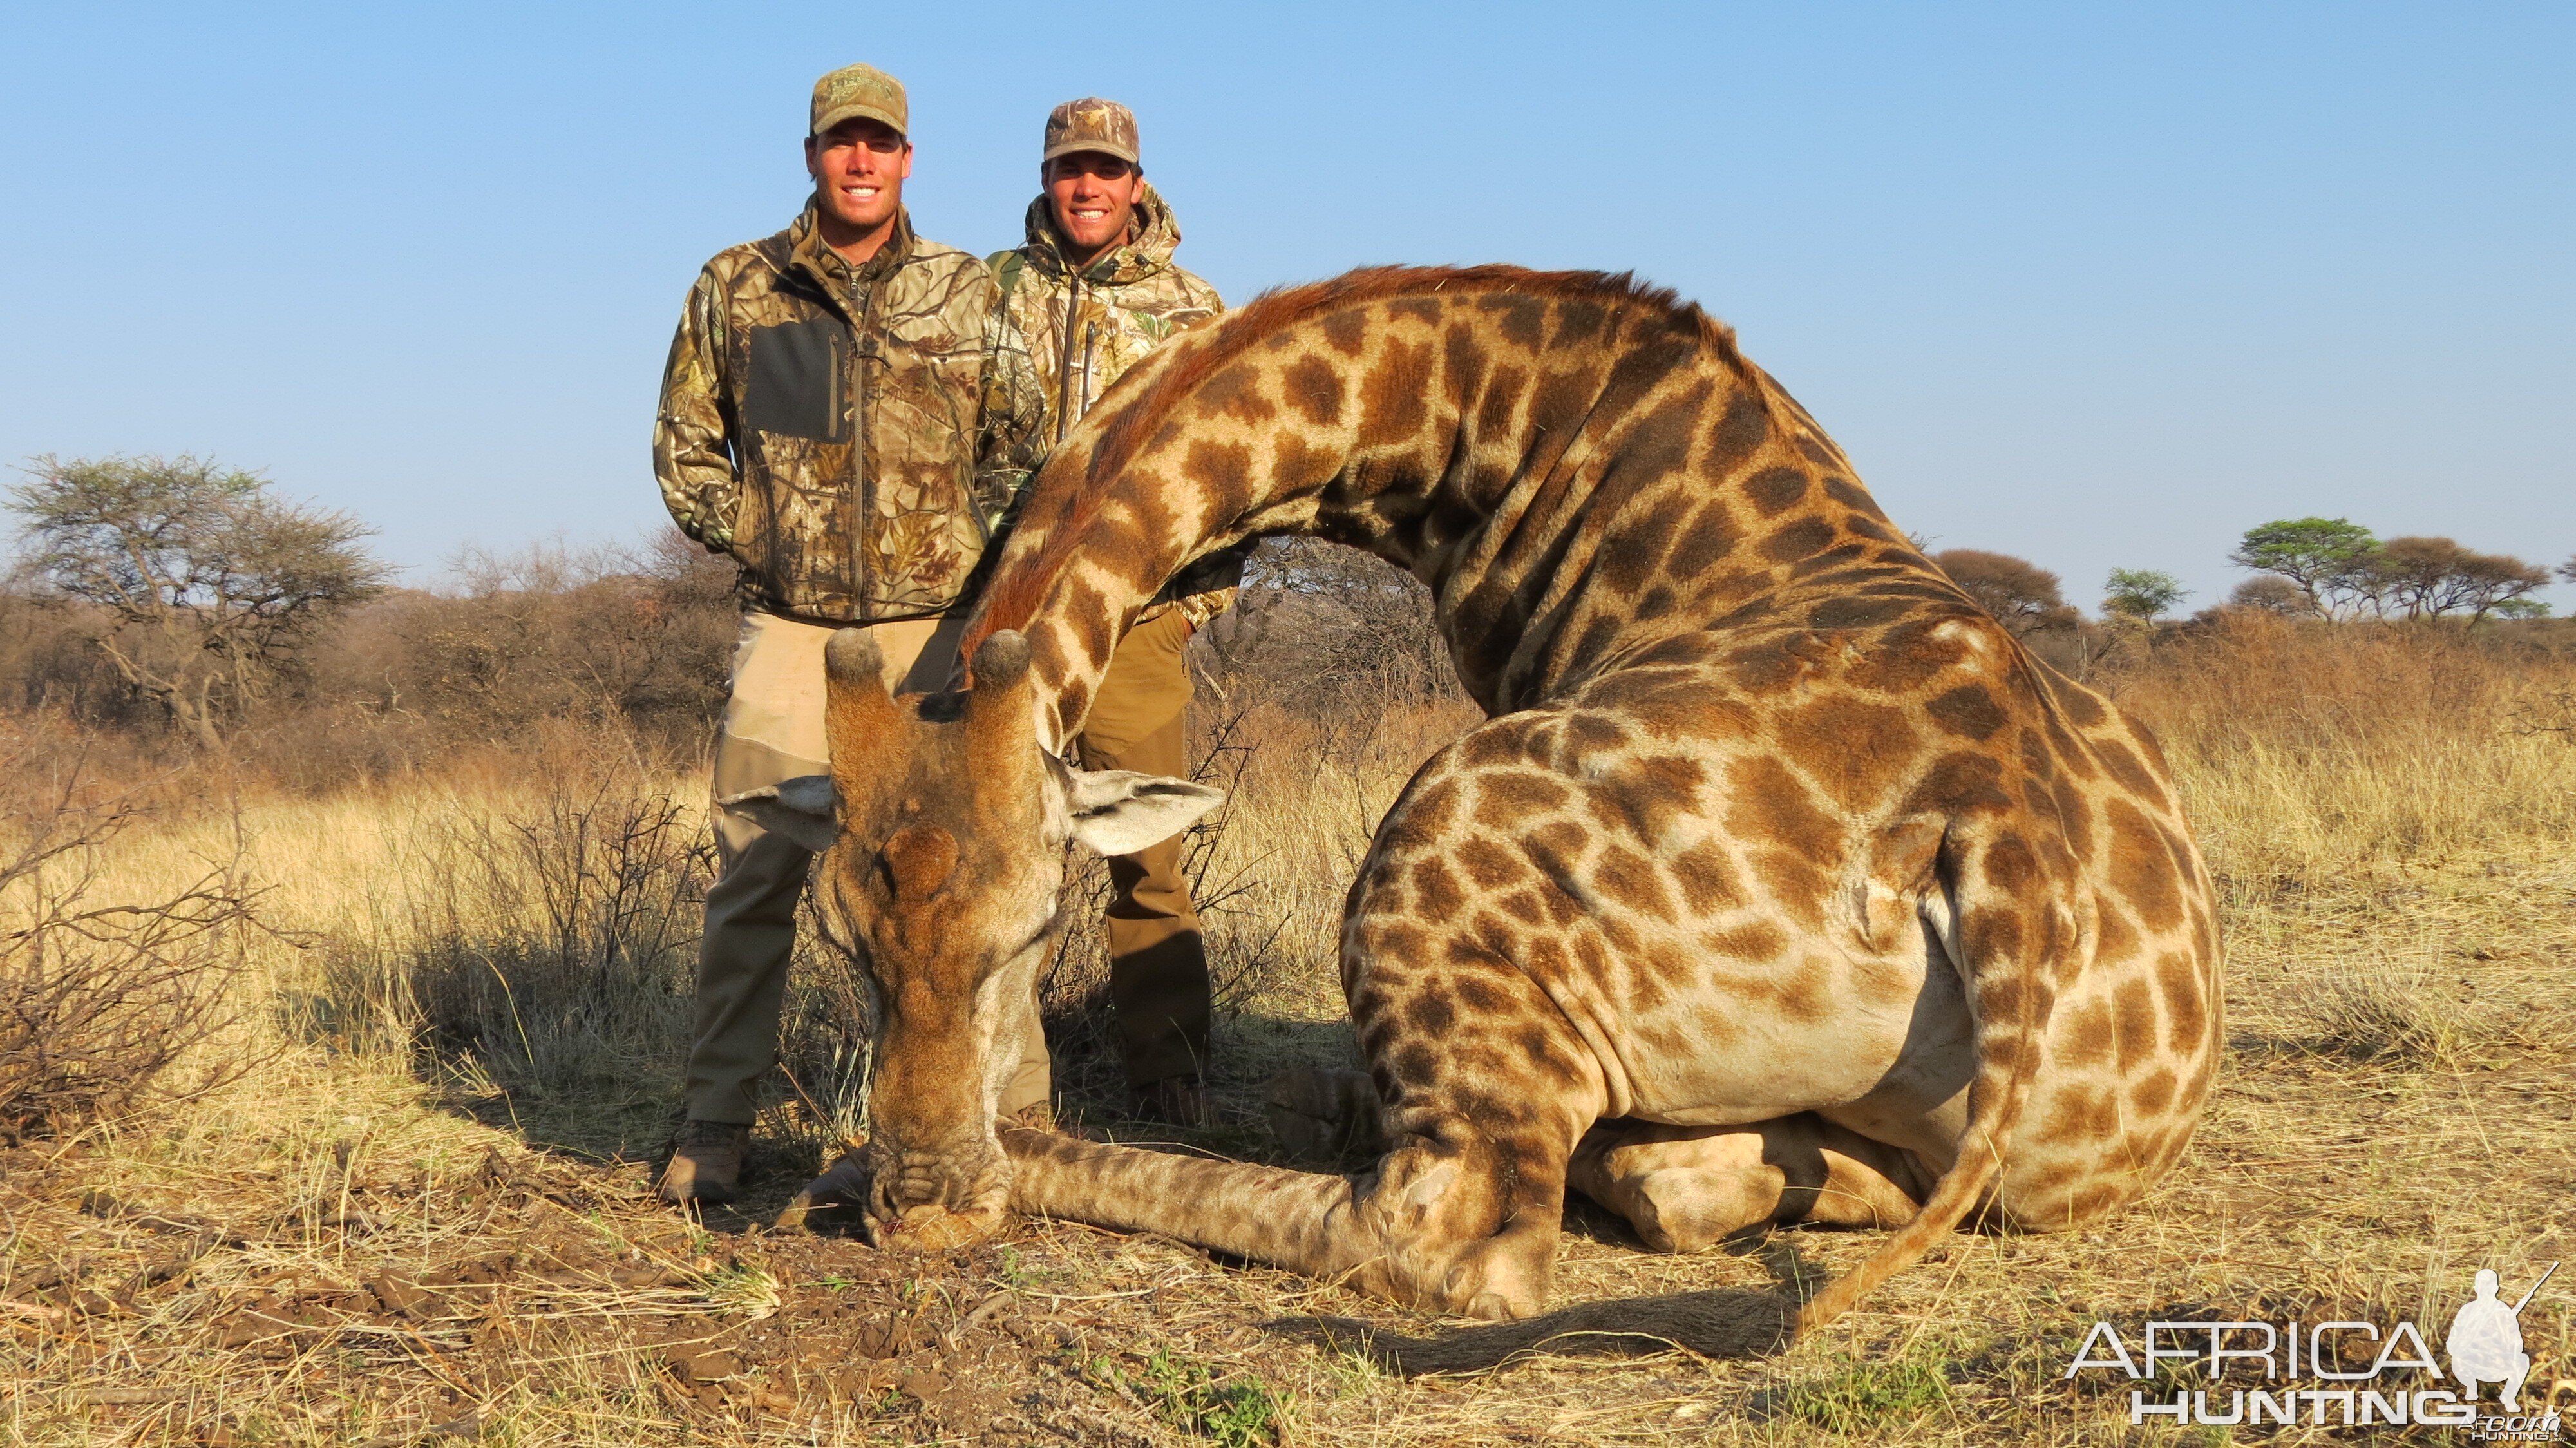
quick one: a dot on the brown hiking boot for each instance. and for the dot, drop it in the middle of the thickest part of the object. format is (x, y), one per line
(706, 1163)
(1175, 1101)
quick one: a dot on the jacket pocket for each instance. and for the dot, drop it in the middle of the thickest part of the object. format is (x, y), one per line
(797, 386)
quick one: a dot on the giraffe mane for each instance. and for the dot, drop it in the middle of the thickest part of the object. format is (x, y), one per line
(1016, 595)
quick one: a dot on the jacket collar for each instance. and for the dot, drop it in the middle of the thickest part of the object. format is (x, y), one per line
(1147, 252)
(832, 271)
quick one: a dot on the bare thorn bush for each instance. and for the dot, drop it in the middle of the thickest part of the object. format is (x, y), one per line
(105, 993)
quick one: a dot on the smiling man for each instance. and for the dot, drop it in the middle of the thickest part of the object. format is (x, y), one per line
(1091, 291)
(822, 421)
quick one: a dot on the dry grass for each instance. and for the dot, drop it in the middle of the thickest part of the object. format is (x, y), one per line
(419, 1216)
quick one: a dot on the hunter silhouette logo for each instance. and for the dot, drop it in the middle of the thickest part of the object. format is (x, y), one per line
(2486, 1341)
(2292, 1373)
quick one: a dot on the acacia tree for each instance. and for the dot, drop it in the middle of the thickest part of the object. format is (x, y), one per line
(2141, 593)
(2268, 593)
(2024, 597)
(207, 583)
(2431, 577)
(2326, 559)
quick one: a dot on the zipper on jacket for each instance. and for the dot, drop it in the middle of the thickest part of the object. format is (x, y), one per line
(862, 481)
(1064, 355)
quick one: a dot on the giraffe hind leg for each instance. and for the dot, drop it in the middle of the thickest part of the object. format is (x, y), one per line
(1685, 1187)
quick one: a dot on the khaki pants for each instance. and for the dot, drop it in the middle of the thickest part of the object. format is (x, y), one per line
(1158, 974)
(773, 732)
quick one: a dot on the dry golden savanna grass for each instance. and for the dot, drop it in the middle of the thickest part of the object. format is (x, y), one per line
(414, 1212)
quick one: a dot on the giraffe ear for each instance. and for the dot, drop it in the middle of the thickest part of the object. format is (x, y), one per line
(805, 809)
(1118, 811)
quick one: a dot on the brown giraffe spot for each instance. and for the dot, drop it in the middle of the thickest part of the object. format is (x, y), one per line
(1394, 396)
(2153, 1095)
(2141, 868)
(2073, 810)
(1558, 840)
(1970, 711)
(1425, 816)
(1807, 996)
(1587, 733)
(1853, 496)
(2134, 1009)
(1436, 892)
(2180, 974)
(1831, 560)
(1737, 434)
(1315, 389)
(1630, 879)
(1504, 800)
(1479, 996)
(1753, 943)
(1578, 321)
(1431, 1012)
(1856, 751)
(1490, 865)
(1415, 1065)
(1959, 783)
(1797, 540)
(1523, 320)
(1220, 468)
(2081, 704)
(1595, 640)
(1857, 611)
(1498, 410)
(1710, 536)
(2070, 754)
(1419, 309)
(2113, 937)
(1627, 556)
(2124, 766)
(1875, 532)
(1526, 906)
(1236, 393)
(1771, 804)
(2087, 1042)
(1347, 330)
(2010, 865)
(1649, 795)
(1774, 491)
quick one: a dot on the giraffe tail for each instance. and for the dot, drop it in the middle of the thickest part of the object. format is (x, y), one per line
(2010, 1007)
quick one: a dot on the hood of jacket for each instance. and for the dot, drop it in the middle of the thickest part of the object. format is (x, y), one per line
(1145, 254)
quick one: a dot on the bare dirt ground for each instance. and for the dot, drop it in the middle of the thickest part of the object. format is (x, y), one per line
(350, 1243)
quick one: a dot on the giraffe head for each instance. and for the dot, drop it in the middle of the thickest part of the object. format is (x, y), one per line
(942, 831)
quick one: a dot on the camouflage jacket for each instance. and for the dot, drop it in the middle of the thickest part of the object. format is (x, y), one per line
(1062, 337)
(822, 423)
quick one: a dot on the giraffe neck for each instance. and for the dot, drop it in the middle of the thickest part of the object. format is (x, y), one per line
(1574, 466)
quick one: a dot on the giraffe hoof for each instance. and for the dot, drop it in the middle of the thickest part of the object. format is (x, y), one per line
(936, 1229)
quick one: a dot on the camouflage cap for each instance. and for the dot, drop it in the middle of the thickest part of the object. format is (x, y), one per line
(859, 90)
(1091, 124)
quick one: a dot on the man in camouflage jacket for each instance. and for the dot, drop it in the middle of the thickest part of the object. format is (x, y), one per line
(1091, 291)
(822, 421)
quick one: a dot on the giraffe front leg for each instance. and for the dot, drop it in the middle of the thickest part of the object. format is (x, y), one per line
(1434, 1226)
(1685, 1187)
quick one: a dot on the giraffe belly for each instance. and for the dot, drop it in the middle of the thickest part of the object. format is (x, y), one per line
(1889, 1056)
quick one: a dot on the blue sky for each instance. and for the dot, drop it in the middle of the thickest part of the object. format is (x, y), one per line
(2099, 285)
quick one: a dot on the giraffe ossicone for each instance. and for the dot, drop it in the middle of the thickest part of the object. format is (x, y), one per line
(1781, 884)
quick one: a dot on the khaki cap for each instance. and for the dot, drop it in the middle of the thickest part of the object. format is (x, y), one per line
(859, 90)
(1091, 124)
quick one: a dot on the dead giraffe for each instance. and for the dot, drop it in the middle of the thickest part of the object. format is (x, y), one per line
(1781, 885)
